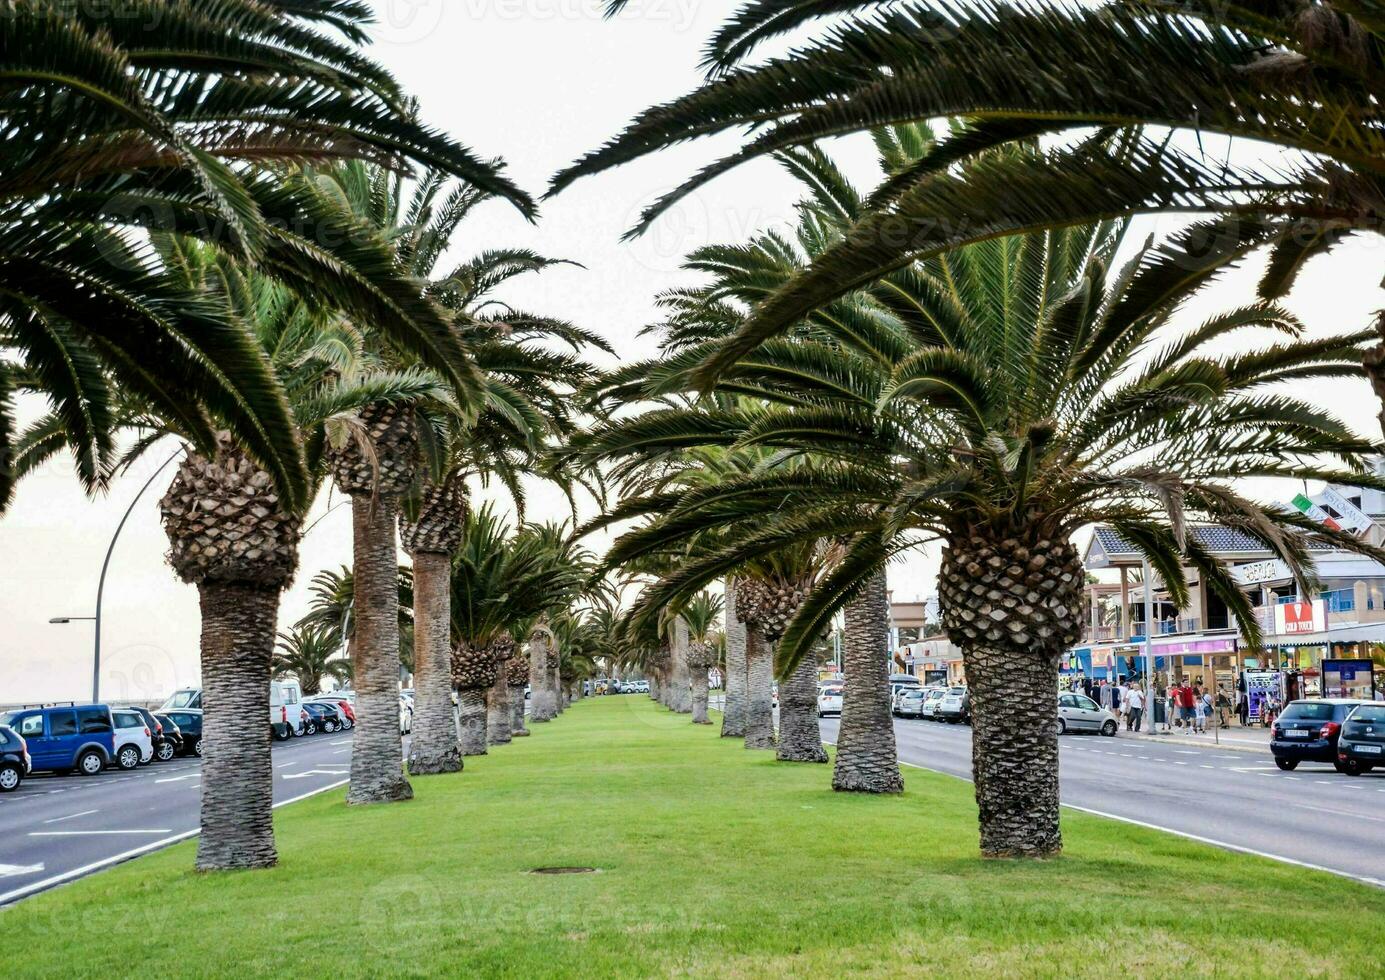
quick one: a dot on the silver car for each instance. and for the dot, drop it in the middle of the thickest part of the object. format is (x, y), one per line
(1079, 713)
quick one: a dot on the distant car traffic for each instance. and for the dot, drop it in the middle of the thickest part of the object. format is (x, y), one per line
(830, 701)
(1308, 731)
(189, 722)
(134, 742)
(1079, 713)
(1361, 746)
(162, 750)
(172, 738)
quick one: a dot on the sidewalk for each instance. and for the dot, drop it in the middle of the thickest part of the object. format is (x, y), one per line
(1233, 737)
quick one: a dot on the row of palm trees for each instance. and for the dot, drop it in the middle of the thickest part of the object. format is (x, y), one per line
(254, 222)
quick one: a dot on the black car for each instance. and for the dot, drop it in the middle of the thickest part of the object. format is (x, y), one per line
(1361, 746)
(189, 722)
(321, 718)
(1307, 731)
(163, 748)
(173, 735)
(14, 759)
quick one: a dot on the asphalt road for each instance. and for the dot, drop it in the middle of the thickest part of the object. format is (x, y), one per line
(1313, 816)
(56, 828)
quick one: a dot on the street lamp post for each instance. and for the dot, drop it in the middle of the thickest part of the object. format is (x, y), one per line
(101, 583)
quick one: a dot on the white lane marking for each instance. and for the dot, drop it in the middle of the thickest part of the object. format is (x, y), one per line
(340, 741)
(1179, 762)
(58, 879)
(71, 815)
(51, 792)
(341, 751)
(1186, 752)
(93, 833)
(15, 870)
(1378, 883)
(315, 772)
(1203, 765)
(1228, 846)
(285, 765)
(177, 779)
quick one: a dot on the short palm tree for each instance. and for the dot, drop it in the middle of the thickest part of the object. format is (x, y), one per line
(701, 614)
(157, 116)
(1018, 403)
(310, 653)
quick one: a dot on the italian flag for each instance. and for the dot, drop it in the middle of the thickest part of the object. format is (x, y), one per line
(1314, 511)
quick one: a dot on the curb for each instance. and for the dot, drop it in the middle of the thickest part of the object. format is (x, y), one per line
(1186, 740)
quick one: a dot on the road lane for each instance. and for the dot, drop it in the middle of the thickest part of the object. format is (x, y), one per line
(1313, 816)
(54, 828)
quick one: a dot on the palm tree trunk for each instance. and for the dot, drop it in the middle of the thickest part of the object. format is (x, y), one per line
(680, 693)
(377, 753)
(734, 684)
(238, 623)
(498, 709)
(555, 684)
(759, 701)
(1014, 718)
(541, 706)
(517, 729)
(654, 686)
(433, 747)
(471, 721)
(867, 759)
(800, 738)
(699, 695)
(1011, 628)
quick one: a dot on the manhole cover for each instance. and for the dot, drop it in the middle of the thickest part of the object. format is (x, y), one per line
(562, 871)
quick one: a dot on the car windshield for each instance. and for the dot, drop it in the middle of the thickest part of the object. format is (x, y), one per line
(181, 699)
(1369, 712)
(957, 691)
(1307, 711)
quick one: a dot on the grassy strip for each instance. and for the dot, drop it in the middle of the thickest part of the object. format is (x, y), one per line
(714, 862)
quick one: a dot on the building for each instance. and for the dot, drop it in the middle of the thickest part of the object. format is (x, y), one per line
(1302, 635)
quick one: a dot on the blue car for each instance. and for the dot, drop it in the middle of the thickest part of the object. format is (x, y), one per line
(62, 739)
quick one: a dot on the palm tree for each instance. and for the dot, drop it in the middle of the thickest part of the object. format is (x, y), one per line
(159, 117)
(733, 715)
(700, 614)
(1301, 76)
(519, 400)
(309, 653)
(234, 535)
(867, 760)
(543, 661)
(1017, 407)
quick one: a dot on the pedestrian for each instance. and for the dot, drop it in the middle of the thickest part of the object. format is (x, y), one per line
(1087, 685)
(1183, 695)
(1242, 708)
(1223, 707)
(1105, 696)
(1136, 700)
(1204, 709)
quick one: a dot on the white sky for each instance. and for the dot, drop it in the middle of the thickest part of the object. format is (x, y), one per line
(538, 82)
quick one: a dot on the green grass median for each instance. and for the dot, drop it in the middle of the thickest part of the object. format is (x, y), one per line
(712, 861)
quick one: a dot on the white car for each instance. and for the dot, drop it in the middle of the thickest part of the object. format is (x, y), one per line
(1079, 713)
(406, 715)
(954, 706)
(932, 699)
(830, 701)
(134, 742)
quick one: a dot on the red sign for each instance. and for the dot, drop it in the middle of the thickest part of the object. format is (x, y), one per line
(1298, 617)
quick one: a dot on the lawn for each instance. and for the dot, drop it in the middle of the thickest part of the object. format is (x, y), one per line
(713, 862)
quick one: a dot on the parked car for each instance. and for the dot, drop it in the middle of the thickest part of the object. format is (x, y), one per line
(189, 722)
(830, 701)
(172, 738)
(932, 699)
(15, 763)
(635, 687)
(1361, 746)
(322, 717)
(345, 713)
(406, 715)
(134, 742)
(1079, 713)
(285, 711)
(184, 697)
(1308, 731)
(899, 682)
(162, 751)
(63, 738)
(909, 704)
(954, 707)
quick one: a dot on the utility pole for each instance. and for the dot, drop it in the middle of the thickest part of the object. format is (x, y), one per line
(1149, 645)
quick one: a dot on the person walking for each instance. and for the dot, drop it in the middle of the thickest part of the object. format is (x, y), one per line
(1242, 709)
(1199, 710)
(1136, 701)
(1183, 696)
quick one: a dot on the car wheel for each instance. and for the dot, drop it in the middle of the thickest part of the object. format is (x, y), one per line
(1061, 728)
(128, 757)
(1351, 767)
(10, 777)
(300, 731)
(165, 751)
(1288, 765)
(282, 733)
(197, 747)
(90, 763)
(1108, 728)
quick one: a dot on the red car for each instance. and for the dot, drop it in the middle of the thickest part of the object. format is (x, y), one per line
(341, 704)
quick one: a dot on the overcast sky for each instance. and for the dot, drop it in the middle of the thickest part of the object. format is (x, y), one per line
(538, 82)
